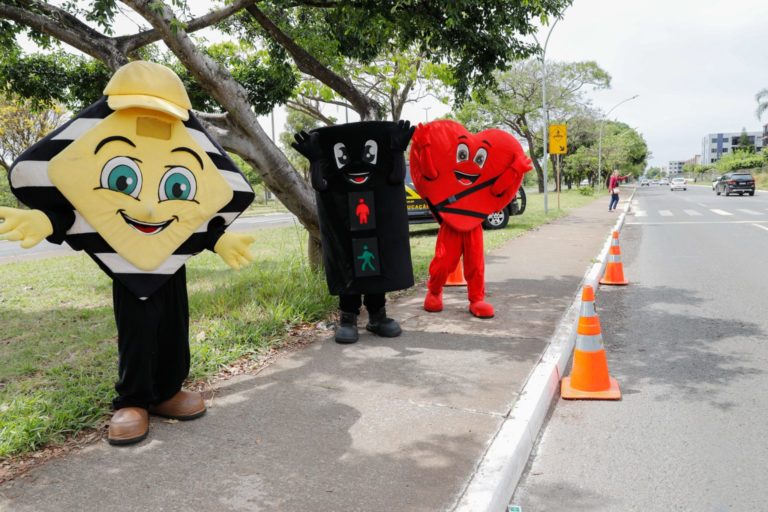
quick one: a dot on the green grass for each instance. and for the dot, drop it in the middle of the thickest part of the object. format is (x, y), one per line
(58, 359)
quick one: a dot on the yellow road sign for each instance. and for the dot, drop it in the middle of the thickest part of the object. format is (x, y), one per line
(558, 139)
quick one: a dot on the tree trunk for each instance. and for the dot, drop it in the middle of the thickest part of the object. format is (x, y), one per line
(536, 165)
(314, 252)
(239, 130)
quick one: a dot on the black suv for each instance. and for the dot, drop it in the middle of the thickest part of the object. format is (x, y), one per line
(418, 211)
(738, 182)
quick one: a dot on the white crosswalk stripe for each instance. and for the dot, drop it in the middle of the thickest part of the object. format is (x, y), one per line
(720, 212)
(750, 212)
(692, 213)
(641, 213)
(665, 213)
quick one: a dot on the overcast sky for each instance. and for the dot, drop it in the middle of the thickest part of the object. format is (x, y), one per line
(696, 65)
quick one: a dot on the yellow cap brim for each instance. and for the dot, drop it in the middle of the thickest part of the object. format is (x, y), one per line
(123, 101)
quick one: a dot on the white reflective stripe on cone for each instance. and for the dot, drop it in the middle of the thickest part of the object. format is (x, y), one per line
(587, 343)
(588, 308)
(614, 258)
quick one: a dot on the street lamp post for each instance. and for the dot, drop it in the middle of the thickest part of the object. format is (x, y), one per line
(600, 143)
(544, 108)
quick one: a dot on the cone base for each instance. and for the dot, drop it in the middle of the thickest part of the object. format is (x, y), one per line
(614, 283)
(570, 393)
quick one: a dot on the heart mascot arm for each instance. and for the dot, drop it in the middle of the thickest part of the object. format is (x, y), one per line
(308, 144)
(421, 154)
(513, 174)
(400, 136)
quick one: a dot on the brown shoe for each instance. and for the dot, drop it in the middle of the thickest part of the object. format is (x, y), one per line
(184, 405)
(128, 425)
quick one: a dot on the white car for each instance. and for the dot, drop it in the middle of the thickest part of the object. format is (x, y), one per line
(677, 184)
(663, 181)
(584, 183)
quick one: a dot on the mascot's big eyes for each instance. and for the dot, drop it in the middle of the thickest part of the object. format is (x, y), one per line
(178, 183)
(370, 152)
(340, 154)
(122, 174)
(481, 156)
(462, 153)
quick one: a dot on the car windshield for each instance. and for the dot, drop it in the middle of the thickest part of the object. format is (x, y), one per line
(678, 180)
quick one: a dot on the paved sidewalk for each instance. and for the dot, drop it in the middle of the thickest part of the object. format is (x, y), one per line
(385, 424)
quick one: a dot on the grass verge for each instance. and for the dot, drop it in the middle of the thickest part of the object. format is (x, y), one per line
(58, 357)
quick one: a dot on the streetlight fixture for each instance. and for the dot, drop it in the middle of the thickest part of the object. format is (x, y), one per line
(544, 105)
(600, 143)
(426, 113)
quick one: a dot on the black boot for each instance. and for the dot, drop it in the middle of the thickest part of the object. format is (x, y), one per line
(379, 324)
(346, 329)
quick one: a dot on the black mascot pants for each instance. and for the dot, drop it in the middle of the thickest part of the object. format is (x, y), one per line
(152, 342)
(351, 303)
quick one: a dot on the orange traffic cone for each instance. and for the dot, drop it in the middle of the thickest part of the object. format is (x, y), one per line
(614, 269)
(589, 377)
(456, 278)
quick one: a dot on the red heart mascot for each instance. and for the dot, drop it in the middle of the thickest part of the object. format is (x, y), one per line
(463, 177)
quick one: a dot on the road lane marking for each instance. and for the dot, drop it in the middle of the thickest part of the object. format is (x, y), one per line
(696, 222)
(692, 213)
(761, 227)
(641, 213)
(750, 212)
(665, 213)
(720, 212)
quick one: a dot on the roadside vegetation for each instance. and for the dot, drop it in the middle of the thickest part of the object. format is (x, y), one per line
(58, 353)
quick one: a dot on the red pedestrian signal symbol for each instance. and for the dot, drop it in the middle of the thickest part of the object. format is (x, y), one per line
(362, 211)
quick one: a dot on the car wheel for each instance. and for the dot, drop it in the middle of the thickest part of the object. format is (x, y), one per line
(752, 193)
(497, 220)
(717, 192)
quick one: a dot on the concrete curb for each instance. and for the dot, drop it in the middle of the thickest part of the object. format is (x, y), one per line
(498, 473)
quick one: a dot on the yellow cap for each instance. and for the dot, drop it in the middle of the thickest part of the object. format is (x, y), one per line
(148, 85)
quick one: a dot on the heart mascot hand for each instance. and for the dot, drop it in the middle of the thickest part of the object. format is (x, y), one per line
(465, 176)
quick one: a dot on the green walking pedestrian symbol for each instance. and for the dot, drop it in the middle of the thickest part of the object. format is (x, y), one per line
(367, 256)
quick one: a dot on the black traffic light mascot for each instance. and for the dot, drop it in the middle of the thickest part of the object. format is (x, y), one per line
(357, 171)
(464, 177)
(136, 182)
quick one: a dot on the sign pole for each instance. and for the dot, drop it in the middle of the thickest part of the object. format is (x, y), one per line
(559, 163)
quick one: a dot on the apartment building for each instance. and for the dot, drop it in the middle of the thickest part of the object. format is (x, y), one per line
(715, 145)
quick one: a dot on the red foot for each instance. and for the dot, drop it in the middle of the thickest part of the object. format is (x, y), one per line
(433, 302)
(481, 309)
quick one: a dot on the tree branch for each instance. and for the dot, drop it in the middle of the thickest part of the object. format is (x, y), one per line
(307, 63)
(129, 44)
(61, 25)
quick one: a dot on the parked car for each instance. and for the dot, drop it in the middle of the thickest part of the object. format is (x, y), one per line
(584, 182)
(418, 211)
(644, 182)
(677, 184)
(714, 182)
(663, 181)
(738, 182)
(654, 182)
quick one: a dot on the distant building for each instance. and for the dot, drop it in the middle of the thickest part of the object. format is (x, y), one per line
(715, 145)
(765, 136)
(676, 167)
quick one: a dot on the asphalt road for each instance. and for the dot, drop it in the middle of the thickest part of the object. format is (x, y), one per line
(688, 342)
(10, 251)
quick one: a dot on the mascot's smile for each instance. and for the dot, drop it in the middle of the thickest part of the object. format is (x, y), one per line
(357, 178)
(465, 178)
(146, 228)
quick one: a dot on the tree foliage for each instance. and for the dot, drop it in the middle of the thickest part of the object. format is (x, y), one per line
(516, 103)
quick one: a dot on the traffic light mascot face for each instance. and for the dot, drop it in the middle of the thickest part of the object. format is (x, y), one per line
(464, 177)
